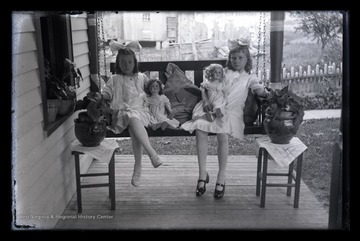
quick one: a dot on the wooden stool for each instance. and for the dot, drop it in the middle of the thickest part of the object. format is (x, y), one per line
(110, 173)
(297, 148)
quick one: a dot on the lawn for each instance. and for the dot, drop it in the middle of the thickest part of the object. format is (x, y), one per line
(318, 135)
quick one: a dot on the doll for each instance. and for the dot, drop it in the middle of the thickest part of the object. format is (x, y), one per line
(159, 106)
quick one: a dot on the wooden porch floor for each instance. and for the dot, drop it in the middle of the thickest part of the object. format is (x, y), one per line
(166, 199)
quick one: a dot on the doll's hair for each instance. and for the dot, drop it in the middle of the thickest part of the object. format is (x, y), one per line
(210, 70)
(152, 81)
(125, 51)
(238, 49)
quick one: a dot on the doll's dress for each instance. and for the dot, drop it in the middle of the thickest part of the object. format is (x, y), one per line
(158, 112)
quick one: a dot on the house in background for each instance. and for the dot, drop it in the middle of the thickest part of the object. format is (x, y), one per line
(43, 167)
(150, 28)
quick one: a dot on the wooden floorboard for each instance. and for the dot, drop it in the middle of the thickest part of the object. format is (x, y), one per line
(166, 199)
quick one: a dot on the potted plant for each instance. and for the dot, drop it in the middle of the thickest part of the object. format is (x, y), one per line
(283, 115)
(90, 126)
(61, 94)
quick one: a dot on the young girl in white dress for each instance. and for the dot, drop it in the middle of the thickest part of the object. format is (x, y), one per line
(159, 105)
(126, 90)
(238, 79)
(213, 93)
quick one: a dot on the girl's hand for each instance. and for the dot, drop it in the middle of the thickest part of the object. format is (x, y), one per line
(105, 95)
(171, 115)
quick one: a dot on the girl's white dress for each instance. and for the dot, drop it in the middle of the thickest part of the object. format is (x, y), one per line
(237, 85)
(158, 113)
(128, 100)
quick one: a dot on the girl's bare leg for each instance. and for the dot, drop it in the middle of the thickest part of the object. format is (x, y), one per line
(202, 150)
(138, 152)
(223, 151)
(140, 133)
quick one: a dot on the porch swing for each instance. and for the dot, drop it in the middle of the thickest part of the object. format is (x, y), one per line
(253, 111)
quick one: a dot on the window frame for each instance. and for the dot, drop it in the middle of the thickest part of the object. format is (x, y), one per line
(146, 17)
(171, 27)
(62, 24)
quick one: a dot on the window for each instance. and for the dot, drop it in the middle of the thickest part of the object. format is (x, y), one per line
(54, 46)
(171, 28)
(146, 17)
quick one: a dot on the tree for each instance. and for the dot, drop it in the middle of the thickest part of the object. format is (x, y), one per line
(324, 26)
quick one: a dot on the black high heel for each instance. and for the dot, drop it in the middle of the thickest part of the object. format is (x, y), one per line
(201, 190)
(219, 194)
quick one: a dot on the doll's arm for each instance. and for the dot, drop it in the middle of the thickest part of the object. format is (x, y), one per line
(207, 105)
(169, 110)
(145, 101)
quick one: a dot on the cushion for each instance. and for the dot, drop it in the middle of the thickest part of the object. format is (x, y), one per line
(250, 109)
(182, 101)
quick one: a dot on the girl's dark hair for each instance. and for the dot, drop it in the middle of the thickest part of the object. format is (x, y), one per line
(125, 51)
(150, 82)
(245, 50)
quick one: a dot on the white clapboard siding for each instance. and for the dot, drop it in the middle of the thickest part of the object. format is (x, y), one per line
(26, 82)
(79, 22)
(27, 102)
(23, 22)
(23, 42)
(45, 169)
(44, 147)
(85, 71)
(24, 62)
(79, 37)
(28, 121)
(81, 52)
(27, 143)
(81, 48)
(84, 88)
(82, 60)
(65, 134)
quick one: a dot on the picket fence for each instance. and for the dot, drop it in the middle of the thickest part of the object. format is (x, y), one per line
(309, 81)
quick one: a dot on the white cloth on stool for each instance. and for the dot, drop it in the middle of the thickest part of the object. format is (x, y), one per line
(283, 154)
(103, 152)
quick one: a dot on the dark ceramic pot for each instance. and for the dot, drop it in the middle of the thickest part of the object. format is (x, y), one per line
(283, 126)
(89, 133)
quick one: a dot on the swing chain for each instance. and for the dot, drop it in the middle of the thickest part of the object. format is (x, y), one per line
(258, 47)
(101, 43)
(98, 43)
(264, 53)
(104, 45)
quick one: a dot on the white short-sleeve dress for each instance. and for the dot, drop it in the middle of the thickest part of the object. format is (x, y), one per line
(158, 112)
(127, 100)
(237, 85)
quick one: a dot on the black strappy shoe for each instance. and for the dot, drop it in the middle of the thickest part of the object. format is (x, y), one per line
(201, 190)
(219, 194)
